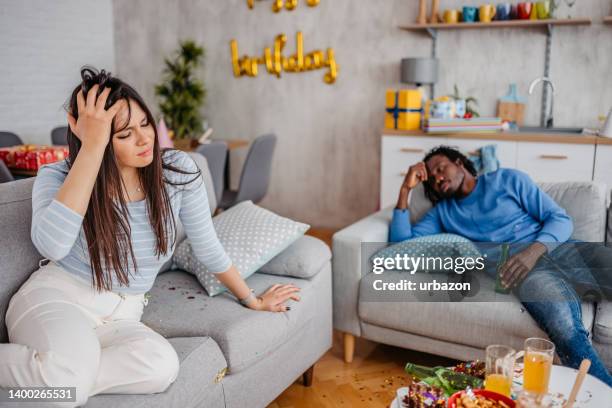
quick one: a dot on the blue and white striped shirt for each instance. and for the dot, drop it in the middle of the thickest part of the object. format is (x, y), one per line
(58, 235)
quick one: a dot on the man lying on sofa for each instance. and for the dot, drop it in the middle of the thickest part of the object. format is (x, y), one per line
(506, 206)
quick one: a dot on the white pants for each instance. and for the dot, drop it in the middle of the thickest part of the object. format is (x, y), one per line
(63, 333)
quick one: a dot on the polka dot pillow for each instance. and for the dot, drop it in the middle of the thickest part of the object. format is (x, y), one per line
(436, 245)
(250, 235)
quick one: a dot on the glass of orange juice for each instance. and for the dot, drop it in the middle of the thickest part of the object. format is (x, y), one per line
(539, 355)
(499, 369)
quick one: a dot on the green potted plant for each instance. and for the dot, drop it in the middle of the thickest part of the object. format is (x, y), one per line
(182, 95)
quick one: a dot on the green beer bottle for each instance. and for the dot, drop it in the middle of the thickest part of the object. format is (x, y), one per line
(503, 257)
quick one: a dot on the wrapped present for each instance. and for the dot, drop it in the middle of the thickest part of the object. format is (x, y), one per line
(445, 107)
(403, 109)
(32, 157)
(6, 155)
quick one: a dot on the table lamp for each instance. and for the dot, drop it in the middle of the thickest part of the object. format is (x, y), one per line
(420, 71)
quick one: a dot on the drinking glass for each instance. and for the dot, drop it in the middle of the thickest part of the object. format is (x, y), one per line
(539, 355)
(499, 369)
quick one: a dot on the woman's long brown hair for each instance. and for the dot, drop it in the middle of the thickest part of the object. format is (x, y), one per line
(106, 222)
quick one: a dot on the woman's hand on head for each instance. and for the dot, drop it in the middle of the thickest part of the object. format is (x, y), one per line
(93, 126)
(273, 299)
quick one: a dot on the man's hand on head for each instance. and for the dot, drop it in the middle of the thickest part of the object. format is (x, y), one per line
(416, 174)
(520, 264)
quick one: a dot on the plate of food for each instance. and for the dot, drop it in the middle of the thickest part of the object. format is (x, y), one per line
(433, 386)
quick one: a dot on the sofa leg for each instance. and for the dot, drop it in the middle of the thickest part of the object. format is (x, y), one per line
(349, 347)
(308, 376)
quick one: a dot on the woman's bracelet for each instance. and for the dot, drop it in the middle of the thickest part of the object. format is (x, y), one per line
(249, 299)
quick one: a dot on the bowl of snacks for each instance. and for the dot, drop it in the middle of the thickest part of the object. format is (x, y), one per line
(479, 399)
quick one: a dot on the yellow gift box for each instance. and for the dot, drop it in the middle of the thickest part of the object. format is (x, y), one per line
(403, 109)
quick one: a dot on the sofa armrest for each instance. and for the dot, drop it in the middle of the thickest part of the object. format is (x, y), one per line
(346, 263)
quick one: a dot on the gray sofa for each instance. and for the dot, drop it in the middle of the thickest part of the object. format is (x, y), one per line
(457, 330)
(230, 356)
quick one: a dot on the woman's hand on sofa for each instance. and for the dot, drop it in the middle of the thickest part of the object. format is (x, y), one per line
(273, 299)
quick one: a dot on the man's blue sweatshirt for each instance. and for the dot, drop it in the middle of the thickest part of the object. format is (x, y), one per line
(505, 206)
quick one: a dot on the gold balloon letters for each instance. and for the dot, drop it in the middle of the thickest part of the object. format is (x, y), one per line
(275, 62)
(277, 5)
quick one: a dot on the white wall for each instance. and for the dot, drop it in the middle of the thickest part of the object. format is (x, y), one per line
(42, 46)
(327, 164)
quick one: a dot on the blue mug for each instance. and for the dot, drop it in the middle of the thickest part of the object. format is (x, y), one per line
(503, 11)
(470, 14)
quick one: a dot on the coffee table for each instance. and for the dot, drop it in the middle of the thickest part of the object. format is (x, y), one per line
(593, 393)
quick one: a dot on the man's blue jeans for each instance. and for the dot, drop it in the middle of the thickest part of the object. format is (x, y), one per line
(552, 294)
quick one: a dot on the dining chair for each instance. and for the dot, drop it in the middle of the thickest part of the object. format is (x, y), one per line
(216, 156)
(59, 136)
(8, 139)
(255, 176)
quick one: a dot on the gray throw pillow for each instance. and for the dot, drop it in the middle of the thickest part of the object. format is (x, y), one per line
(250, 235)
(302, 259)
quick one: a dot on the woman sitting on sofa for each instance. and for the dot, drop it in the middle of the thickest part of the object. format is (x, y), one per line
(106, 220)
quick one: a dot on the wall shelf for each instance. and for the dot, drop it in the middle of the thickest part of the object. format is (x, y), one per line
(547, 25)
(498, 24)
(607, 20)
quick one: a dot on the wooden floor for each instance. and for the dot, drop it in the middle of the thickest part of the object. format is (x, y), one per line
(369, 381)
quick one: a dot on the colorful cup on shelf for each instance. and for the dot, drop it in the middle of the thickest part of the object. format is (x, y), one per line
(486, 13)
(451, 16)
(543, 9)
(534, 12)
(514, 12)
(524, 10)
(470, 14)
(503, 11)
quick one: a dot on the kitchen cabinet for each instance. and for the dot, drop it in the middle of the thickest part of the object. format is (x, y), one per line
(603, 164)
(556, 161)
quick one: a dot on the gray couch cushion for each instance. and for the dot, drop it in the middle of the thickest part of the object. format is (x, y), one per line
(482, 323)
(201, 361)
(602, 330)
(18, 256)
(302, 259)
(244, 335)
(585, 202)
(605, 352)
